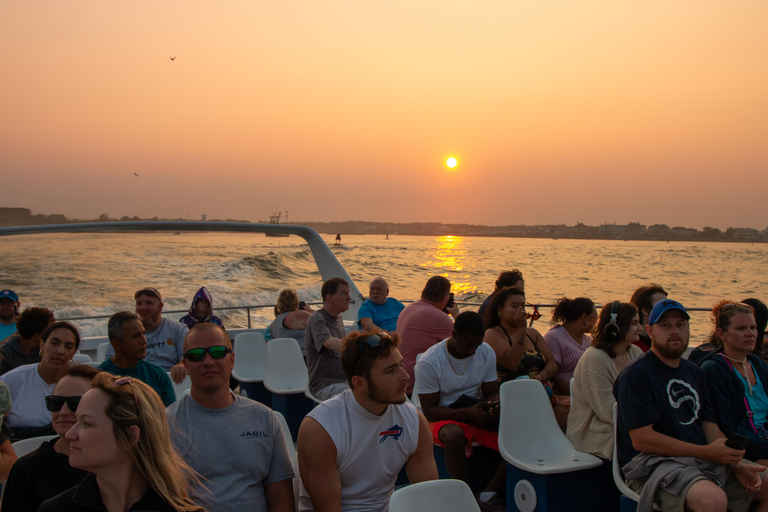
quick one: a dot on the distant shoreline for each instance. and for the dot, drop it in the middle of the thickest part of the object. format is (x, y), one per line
(630, 232)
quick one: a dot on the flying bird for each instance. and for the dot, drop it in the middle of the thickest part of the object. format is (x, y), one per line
(172, 58)
(136, 175)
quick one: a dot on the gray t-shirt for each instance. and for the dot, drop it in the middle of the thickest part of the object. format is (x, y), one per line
(237, 450)
(165, 344)
(323, 364)
(279, 330)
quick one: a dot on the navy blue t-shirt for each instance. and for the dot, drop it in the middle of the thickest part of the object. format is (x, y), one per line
(674, 400)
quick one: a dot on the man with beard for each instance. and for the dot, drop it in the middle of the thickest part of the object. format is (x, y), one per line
(669, 445)
(165, 338)
(9, 309)
(352, 447)
(379, 312)
(235, 444)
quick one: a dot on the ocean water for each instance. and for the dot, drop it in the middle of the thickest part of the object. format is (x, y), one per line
(93, 274)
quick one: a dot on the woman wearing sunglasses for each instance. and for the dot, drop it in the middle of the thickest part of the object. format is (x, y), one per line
(737, 378)
(31, 383)
(46, 472)
(121, 436)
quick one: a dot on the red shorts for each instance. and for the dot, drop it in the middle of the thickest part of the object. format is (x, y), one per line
(472, 433)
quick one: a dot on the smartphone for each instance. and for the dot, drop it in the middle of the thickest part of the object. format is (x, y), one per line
(490, 406)
(301, 305)
(450, 304)
(737, 441)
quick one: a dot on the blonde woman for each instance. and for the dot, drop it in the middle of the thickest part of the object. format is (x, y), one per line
(291, 317)
(122, 437)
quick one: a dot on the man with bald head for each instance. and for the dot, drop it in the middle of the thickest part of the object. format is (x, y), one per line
(236, 444)
(379, 312)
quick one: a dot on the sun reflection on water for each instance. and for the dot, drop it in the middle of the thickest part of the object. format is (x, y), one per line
(448, 259)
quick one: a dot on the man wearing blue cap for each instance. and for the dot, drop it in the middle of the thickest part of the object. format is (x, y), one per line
(9, 309)
(669, 446)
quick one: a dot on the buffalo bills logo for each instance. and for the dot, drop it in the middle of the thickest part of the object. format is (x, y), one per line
(394, 432)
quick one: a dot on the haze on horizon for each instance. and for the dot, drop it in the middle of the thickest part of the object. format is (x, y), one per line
(558, 112)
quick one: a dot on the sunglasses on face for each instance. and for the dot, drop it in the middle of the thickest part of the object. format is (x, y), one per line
(54, 403)
(198, 354)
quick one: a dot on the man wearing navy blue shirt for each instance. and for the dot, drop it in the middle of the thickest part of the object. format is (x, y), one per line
(666, 422)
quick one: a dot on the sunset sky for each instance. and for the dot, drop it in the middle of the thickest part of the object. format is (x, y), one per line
(557, 111)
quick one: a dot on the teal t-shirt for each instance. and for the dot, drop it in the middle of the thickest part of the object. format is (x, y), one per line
(7, 330)
(758, 401)
(151, 374)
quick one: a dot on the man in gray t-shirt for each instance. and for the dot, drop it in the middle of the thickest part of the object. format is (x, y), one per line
(325, 330)
(236, 444)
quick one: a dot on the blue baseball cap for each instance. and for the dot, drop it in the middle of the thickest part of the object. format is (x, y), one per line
(662, 307)
(9, 294)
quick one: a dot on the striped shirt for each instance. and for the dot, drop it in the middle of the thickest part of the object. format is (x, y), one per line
(565, 350)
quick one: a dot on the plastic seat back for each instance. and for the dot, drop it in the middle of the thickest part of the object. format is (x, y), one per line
(250, 357)
(101, 352)
(181, 389)
(26, 446)
(618, 476)
(529, 437)
(309, 394)
(434, 496)
(286, 371)
(81, 358)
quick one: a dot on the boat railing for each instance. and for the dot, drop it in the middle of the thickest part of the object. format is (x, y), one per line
(249, 308)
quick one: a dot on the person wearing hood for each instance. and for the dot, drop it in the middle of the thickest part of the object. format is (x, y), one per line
(201, 310)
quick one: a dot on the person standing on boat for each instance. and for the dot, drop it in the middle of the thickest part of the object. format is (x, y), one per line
(506, 279)
(201, 310)
(235, 444)
(644, 299)
(165, 338)
(126, 335)
(9, 310)
(352, 447)
(324, 332)
(423, 323)
(379, 312)
(669, 445)
(24, 346)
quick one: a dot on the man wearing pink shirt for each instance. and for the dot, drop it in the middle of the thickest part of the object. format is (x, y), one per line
(423, 323)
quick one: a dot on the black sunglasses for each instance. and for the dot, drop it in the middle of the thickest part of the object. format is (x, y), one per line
(198, 354)
(54, 403)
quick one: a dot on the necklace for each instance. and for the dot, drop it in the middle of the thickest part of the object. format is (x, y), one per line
(623, 359)
(450, 363)
(743, 363)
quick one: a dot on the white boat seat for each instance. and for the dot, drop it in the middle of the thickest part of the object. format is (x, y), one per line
(81, 358)
(101, 352)
(529, 436)
(285, 372)
(618, 476)
(309, 394)
(181, 389)
(250, 357)
(434, 496)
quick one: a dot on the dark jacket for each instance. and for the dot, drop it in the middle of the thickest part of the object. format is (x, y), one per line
(729, 399)
(85, 497)
(37, 476)
(14, 356)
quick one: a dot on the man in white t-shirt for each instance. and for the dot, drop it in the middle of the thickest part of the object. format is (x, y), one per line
(459, 392)
(352, 447)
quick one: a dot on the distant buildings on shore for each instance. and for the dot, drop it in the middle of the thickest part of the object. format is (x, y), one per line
(631, 231)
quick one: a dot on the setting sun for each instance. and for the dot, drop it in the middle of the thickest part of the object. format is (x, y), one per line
(451, 162)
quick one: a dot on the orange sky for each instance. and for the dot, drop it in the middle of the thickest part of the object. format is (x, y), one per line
(559, 111)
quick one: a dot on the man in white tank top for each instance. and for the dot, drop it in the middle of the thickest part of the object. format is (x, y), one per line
(352, 447)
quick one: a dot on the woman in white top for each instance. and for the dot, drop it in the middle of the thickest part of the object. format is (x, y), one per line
(569, 339)
(31, 383)
(590, 422)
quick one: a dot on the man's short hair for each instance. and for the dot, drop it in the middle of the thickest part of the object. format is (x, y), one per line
(331, 286)
(509, 278)
(642, 299)
(436, 289)
(33, 321)
(205, 327)
(469, 323)
(358, 356)
(115, 329)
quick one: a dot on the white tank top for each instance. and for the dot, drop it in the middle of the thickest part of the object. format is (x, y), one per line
(370, 450)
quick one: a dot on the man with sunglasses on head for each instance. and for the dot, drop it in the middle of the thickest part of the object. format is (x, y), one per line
(668, 443)
(352, 447)
(234, 443)
(126, 336)
(165, 337)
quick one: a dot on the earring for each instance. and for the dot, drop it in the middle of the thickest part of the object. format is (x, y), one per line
(586, 325)
(41, 352)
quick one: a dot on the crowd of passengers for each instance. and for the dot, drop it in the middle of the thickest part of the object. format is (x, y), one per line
(691, 427)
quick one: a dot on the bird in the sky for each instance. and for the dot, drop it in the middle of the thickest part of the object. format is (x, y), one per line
(172, 58)
(136, 175)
